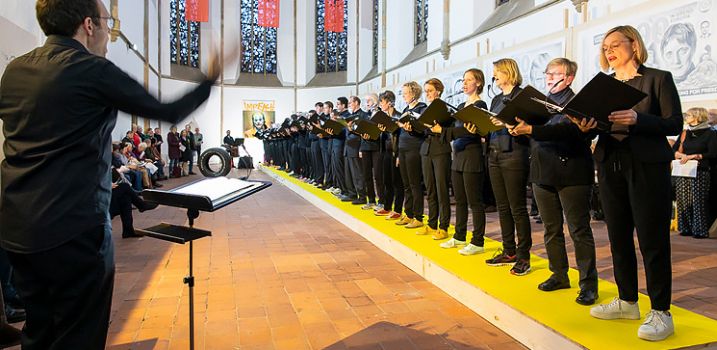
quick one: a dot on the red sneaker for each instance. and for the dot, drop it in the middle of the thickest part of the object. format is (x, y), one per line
(382, 212)
(393, 216)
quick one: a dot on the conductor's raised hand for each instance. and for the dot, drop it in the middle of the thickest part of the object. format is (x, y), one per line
(215, 61)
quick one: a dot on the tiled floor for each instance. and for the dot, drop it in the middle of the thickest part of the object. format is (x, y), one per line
(280, 274)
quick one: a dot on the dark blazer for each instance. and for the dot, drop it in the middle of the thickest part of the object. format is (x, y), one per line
(412, 140)
(369, 145)
(501, 139)
(560, 155)
(658, 115)
(470, 158)
(432, 145)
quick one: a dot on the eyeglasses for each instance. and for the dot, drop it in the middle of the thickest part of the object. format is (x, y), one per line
(550, 74)
(110, 21)
(614, 45)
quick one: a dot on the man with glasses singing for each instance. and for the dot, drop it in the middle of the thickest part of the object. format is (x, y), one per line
(59, 105)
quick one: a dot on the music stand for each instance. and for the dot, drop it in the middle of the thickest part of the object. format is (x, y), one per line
(206, 195)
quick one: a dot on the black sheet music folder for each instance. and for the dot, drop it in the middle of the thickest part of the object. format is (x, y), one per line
(600, 97)
(383, 118)
(366, 127)
(437, 112)
(529, 106)
(478, 117)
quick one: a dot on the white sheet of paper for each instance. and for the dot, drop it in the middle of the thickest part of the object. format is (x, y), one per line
(217, 187)
(688, 169)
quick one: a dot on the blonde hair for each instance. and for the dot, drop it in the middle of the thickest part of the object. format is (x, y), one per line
(414, 88)
(631, 34)
(571, 68)
(509, 67)
(437, 84)
(699, 113)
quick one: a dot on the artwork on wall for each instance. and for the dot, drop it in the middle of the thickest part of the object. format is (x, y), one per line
(257, 114)
(680, 40)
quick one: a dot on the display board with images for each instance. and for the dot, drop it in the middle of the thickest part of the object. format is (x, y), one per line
(679, 38)
(256, 114)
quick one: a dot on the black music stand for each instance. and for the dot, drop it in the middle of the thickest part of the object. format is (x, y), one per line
(206, 195)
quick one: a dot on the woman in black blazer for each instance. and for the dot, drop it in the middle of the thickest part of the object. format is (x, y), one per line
(467, 170)
(436, 167)
(633, 161)
(409, 158)
(508, 170)
(562, 174)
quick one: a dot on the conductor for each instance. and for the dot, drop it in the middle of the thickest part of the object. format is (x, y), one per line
(59, 105)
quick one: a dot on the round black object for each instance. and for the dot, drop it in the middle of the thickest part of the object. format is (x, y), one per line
(209, 168)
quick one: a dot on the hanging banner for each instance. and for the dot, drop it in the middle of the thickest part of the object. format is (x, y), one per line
(197, 10)
(268, 13)
(334, 16)
(257, 115)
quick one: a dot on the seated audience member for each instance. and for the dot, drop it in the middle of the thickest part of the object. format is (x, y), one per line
(121, 163)
(697, 142)
(123, 197)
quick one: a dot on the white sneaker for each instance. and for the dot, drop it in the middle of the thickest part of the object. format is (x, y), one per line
(368, 206)
(616, 309)
(471, 249)
(657, 326)
(330, 189)
(452, 243)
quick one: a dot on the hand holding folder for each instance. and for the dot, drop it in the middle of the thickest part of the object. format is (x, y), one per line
(334, 127)
(365, 127)
(478, 117)
(530, 105)
(382, 118)
(436, 113)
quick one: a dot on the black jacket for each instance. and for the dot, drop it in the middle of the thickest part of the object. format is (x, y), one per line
(59, 105)
(412, 140)
(432, 145)
(501, 140)
(702, 142)
(658, 115)
(560, 155)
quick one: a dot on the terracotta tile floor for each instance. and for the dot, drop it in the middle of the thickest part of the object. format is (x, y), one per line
(280, 274)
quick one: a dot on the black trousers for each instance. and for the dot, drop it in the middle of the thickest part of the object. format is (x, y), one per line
(436, 174)
(326, 160)
(121, 204)
(467, 188)
(409, 162)
(337, 168)
(371, 167)
(67, 292)
(317, 164)
(393, 195)
(574, 202)
(636, 196)
(354, 178)
(509, 177)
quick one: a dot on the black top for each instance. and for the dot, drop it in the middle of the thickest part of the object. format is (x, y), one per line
(369, 145)
(59, 105)
(353, 141)
(389, 141)
(703, 141)
(560, 155)
(501, 140)
(467, 147)
(228, 140)
(412, 140)
(658, 115)
(432, 145)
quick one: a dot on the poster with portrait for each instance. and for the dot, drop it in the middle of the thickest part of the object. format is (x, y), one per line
(257, 114)
(679, 40)
(532, 62)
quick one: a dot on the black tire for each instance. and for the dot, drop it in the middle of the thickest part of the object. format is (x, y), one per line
(206, 156)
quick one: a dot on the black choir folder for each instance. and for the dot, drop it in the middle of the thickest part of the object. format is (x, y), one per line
(436, 113)
(382, 118)
(598, 98)
(478, 117)
(366, 127)
(336, 127)
(524, 106)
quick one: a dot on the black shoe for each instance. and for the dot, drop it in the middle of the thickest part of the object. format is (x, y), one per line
(521, 267)
(14, 315)
(9, 336)
(538, 219)
(685, 233)
(346, 199)
(552, 284)
(586, 297)
(147, 206)
(132, 234)
(358, 201)
(192, 173)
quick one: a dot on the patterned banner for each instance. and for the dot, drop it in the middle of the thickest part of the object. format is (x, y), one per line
(268, 13)
(197, 10)
(334, 16)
